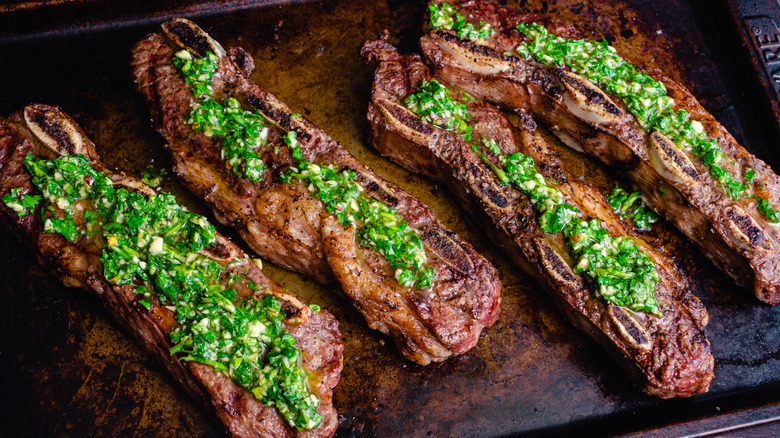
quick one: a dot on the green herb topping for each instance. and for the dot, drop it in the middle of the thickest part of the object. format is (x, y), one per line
(21, 204)
(619, 272)
(632, 206)
(153, 177)
(615, 267)
(242, 132)
(446, 17)
(749, 174)
(765, 208)
(642, 95)
(154, 243)
(433, 103)
(380, 227)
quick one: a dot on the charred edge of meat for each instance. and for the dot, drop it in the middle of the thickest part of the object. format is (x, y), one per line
(630, 329)
(527, 122)
(190, 36)
(669, 160)
(489, 191)
(448, 250)
(746, 229)
(242, 59)
(54, 129)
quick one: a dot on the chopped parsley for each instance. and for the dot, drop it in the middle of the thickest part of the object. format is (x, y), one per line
(618, 271)
(749, 174)
(766, 210)
(379, 227)
(433, 103)
(153, 177)
(622, 274)
(632, 206)
(154, 243)
(21, 204)
(615, 268)
(446, 17)
(241, 131)
(642, 95)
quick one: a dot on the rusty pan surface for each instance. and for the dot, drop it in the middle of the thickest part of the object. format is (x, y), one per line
(67, 370)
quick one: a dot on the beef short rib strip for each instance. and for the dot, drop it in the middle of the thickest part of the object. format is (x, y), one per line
(678, 183)
(286, 223)
(45, 132)
(666, 356)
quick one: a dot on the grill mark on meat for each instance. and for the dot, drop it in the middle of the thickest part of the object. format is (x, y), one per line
(79, 264)
(489, 190)
(449, 250)
(667, 356)
(465, 283)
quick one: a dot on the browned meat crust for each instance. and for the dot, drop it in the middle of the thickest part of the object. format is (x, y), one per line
(78, 264)
(667, 356)
(733, 234)
(286, 224)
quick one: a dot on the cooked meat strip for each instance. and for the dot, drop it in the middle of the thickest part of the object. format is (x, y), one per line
(667, 355)
(289, 224)
(47, 133)
(691, 189)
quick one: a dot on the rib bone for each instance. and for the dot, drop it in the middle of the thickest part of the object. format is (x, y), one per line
(479, 58)
(746, 231)
(670, 161)
(188, 35)
(555, 264)
(630, 329)
(405, 122)
(586, 101)
(54, 129)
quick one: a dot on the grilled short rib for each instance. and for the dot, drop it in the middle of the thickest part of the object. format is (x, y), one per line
(47, 133)
(287, 224)
(666, 356)
(734, 234)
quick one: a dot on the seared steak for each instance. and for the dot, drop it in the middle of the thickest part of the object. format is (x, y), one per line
(291, 223)
(666, 355)
(44, 132)
(708, 186)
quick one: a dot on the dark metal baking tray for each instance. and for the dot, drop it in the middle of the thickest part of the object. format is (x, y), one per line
(66, 370)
